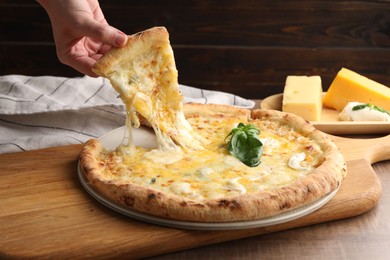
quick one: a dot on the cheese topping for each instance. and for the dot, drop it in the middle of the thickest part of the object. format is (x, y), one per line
(212, 172)
(296, 160)
(234, 186)
(164, 157)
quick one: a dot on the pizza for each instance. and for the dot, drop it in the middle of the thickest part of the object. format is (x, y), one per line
(211, 163)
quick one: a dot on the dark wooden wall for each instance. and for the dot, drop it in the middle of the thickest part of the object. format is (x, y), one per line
(246, 47)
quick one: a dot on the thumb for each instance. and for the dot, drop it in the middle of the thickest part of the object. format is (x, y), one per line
(104, 33)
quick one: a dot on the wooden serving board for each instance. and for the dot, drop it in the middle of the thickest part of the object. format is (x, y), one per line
(330, 123)
(45, 212)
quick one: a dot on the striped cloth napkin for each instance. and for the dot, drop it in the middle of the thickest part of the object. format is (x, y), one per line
(47, 111)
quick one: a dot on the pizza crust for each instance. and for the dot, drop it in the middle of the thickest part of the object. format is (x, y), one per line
(249, 206)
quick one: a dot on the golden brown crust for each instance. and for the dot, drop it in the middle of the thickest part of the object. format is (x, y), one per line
(249, 206)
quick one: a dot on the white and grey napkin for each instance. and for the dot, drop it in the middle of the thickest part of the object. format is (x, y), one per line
(47, 111)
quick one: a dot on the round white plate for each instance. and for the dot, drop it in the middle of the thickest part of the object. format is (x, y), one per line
(146, 138)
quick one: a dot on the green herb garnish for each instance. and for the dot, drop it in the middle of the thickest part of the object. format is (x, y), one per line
(245, 145)
(370, 106)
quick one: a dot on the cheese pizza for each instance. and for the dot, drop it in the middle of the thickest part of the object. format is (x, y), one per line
(213, 163)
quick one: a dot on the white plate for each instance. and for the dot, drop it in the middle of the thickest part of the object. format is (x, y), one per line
(329, 122)
(145, 137)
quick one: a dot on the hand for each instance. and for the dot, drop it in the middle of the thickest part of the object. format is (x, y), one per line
(81, 33)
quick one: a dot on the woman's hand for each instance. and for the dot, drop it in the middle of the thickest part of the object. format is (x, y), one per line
(81, 33)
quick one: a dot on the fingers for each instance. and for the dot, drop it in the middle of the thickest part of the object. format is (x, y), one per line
(104, 33)
(84, 64)
(82, 55)
(104, 48)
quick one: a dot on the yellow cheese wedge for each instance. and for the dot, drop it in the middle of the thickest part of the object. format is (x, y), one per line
(349, 86)
(302, 96)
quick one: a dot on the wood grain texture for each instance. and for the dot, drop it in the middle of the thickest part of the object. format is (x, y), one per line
(46, 213)
(244, 47)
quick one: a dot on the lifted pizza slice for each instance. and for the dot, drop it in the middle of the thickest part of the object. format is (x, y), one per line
(144, 74)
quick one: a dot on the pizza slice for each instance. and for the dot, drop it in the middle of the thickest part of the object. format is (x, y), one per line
(144, 74)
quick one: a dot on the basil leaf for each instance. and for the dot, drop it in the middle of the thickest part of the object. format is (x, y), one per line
(381, 110)
(245, 144)
(359, 107)
(370, 106)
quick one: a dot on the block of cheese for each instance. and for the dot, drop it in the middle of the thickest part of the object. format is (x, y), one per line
(349, 86)
(302, 96)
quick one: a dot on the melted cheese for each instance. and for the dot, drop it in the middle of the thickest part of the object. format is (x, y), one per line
(212, 172)
(295, 161)
(234, 186)
(164, 157)
(147, 81)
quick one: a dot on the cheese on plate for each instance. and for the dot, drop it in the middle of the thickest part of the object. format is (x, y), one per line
(356, 111)
(349, 86)
(302, 96)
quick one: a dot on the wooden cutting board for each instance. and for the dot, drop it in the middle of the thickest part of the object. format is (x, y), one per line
(45, 212)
